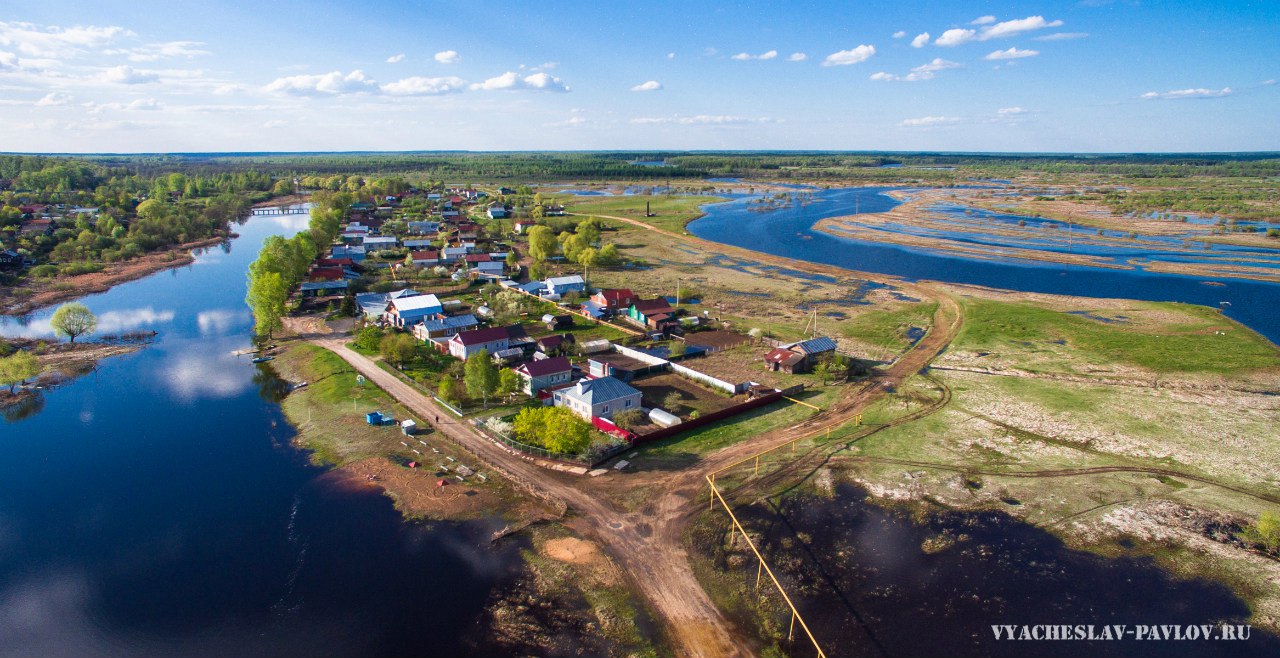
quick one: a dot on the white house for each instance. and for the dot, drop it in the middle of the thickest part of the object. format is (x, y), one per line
(597, 398)
(559, 285)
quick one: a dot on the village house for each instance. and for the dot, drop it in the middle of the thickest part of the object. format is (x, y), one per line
(497, 211)
(800, 357)
(322, 288)
(417, 243)
(523, 225)
(444, 327)
(405, 312)
(355, 253)
(614, 299)
(378, 242)
(425, 258)
(454, 253)
(597, 398)
(652, 314)
(422, 227)
(492, 340)
(544, 373)
(560, 285)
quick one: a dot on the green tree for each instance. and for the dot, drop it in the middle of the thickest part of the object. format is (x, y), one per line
(369, 338)
(672, 401)
(609, 254)
(282, 187)
(542, 243)
(266, 297)
(451, 391)
(508, 382)
(18, 368)
(628, 418)
(481, 376)
(1266, 531)
(566, 433)
(588, 258)
(72, 320)
(398, 348)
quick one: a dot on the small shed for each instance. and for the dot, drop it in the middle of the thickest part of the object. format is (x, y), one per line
(409, 427)
(373, 417)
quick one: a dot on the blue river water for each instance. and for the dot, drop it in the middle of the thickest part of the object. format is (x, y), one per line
(155, 507)
(787, 231)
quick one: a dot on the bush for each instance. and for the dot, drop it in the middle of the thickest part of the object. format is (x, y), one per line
(76, 269)
(46, 271)
(628, 419)
(1273, 233)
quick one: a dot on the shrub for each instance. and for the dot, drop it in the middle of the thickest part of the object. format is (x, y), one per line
(45, 271)
(628, 419)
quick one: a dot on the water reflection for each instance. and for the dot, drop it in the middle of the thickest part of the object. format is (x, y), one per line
(27, 406)
(109, 322)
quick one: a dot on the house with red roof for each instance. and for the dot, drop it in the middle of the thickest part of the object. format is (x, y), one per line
(544, 373)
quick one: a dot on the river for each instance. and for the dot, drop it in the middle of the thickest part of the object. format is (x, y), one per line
(156, 506)
(788, 231)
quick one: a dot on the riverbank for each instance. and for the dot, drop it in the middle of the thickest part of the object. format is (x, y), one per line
(33, 294)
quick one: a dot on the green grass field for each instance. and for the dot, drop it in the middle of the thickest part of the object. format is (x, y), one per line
(1161, 337)
(887, 329)
(671, 212)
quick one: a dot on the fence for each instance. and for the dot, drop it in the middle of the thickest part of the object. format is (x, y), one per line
(693, 423)
(731, 389)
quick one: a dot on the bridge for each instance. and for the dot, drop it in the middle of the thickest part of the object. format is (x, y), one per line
(280, 210)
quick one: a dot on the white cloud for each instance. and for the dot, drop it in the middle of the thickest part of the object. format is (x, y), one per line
(920, 40)
(448, 57)
(420, 86)
(899, 34)
(701, 119)
(671, 55)
(852, 56)
(222, 321)
(742, 57)
(275, 123)
(52, 99)
(651, 85)
(1062, 36)
(545, 82)
(1268, 82)
(226, 89)
(155, 51)
(127, 75)
(983, 20)
(797, 57)
(327, 84)
(1018, 26)
(1011, 53)
(510, 80)
(54, 41)
(1180, 94)
(1010, 111)
(926, 122)
(569, 123)
(8, 61)
(395, 59)
(956, 36)
(922, 72)
(141, 104)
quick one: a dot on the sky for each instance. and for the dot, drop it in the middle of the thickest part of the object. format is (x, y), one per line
(281, 75)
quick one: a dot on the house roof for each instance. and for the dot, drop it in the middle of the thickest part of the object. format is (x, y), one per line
(490, 335)
(545, 367)
(600, 390)
(648, 306)
(815, 345)
(564, 280)
(615, 294)
(416, 303)
(550, 342)
(404, 292)
(324, 285)
(478, 258)
(425, 255)
(452, 322)
(783, 356)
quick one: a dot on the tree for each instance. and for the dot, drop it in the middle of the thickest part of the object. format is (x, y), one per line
(1266, 531)
(609, 255)
(481, 376)
(266, 297)
(508, 382)
(369, 338)
(18, 368)
(72, 320)
(542, 243)
(628, 418)
(672, 401)
(451, 390)
(588, 258)
(398, 348)
(553, 428)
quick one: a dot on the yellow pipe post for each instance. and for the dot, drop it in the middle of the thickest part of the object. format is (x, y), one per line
(759, 572)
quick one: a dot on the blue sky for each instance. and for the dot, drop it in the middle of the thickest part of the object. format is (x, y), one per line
(1095, 75)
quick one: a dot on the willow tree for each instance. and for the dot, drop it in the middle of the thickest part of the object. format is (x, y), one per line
(72, 320)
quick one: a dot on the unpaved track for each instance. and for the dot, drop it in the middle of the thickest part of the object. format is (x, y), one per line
(648, 543)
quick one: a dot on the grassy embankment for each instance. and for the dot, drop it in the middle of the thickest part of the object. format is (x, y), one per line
(329, 414)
